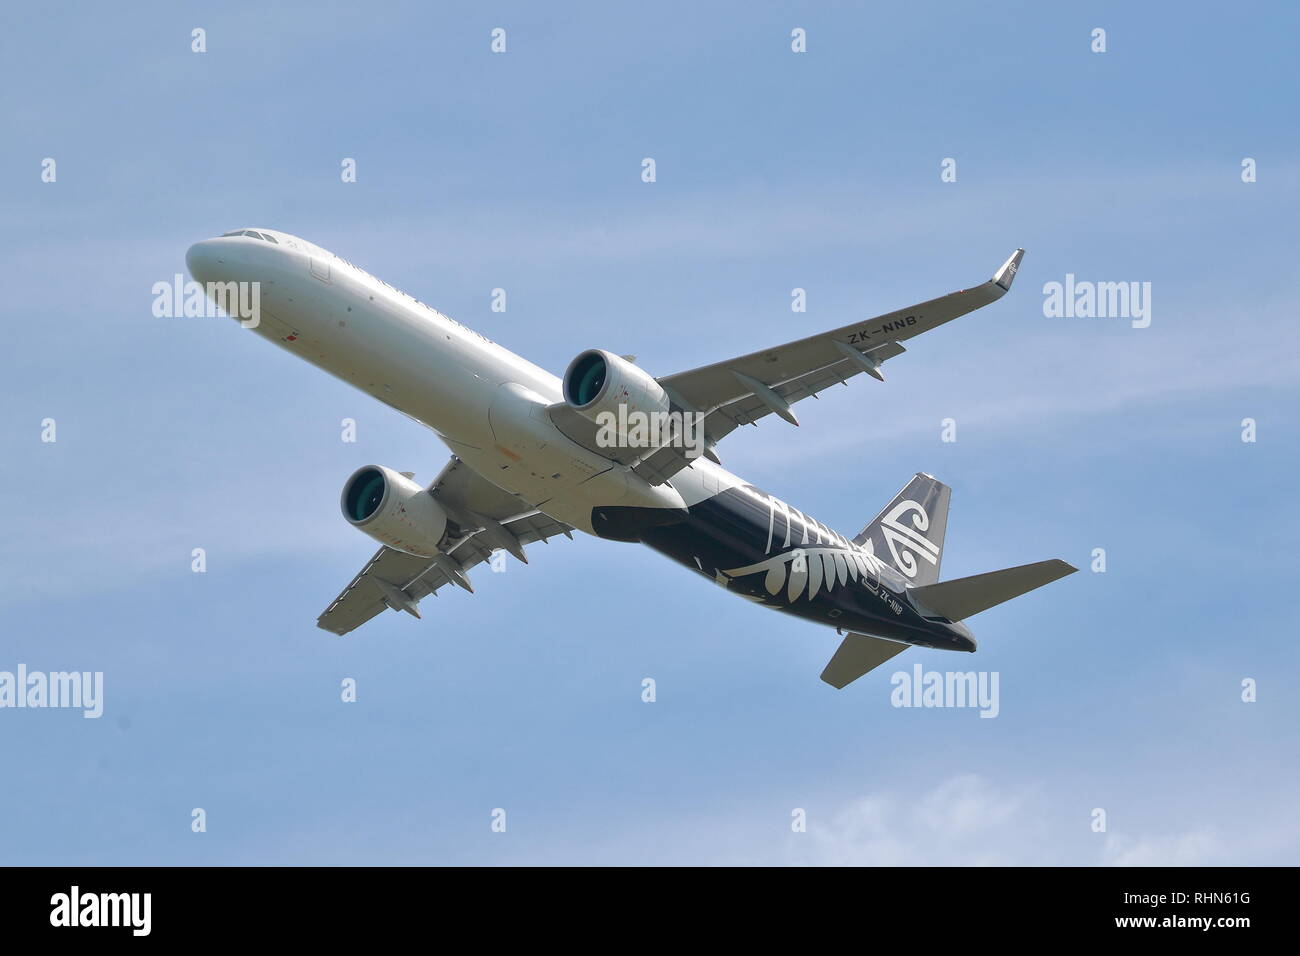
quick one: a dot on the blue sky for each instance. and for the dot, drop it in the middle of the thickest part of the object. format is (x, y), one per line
(774, 171)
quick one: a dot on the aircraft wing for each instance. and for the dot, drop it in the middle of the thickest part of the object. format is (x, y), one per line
(488, 519)
(795, 370)
(744, 389)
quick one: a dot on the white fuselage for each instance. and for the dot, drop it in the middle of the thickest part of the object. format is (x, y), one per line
(487, 403)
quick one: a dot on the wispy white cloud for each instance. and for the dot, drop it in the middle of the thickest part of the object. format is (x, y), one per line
(962, 821)
(965, 819)
(968, 820)
(1193, 848)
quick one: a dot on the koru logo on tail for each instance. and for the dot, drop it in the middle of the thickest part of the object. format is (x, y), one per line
(906, 543)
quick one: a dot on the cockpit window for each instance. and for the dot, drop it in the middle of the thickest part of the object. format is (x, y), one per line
(252, 235)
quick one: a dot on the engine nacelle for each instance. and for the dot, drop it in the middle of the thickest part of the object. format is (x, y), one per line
(394, 510)
(598, 383)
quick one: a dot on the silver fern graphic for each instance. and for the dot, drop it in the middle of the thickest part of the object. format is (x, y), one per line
(807, 570)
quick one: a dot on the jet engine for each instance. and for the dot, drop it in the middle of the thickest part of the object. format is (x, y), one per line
(394, 510)
(610, 390)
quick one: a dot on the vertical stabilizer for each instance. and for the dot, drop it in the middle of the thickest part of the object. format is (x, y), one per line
(908, 534)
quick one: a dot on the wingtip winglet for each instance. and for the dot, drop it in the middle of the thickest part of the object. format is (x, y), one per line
(1007, 274)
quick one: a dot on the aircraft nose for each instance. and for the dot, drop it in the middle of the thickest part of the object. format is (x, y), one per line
(206, 260)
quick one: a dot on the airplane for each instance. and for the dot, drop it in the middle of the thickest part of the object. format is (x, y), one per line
(534, 456)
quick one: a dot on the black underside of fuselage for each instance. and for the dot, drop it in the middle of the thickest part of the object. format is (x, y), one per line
(732, 530)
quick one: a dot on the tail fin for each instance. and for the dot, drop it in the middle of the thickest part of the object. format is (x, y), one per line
(961, 598)
(909, 532)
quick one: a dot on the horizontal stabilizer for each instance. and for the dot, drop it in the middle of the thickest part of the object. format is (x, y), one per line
(857, 655)
(961, 598)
